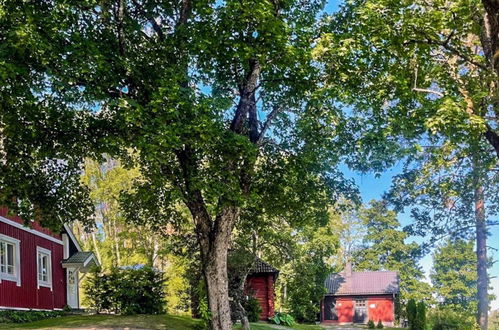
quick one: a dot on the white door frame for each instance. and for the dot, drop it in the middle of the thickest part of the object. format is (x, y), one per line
(72, 293)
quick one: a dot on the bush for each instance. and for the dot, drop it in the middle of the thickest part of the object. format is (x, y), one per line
(420, 322)
(9, 316)
(411, 312)
(283, 319)
(253, 309)
(416, 315)
(447, 319)
(370, 324)
(126, 291)
(380, 325)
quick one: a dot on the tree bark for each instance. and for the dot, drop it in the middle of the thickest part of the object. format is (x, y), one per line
(214, 247)
(96, 247)
(481, 252)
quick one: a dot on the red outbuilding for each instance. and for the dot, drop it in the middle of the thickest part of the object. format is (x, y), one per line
(260, 282)
(357, 297)
(39, 269)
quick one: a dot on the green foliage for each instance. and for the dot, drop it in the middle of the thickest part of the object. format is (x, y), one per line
(416, 315)
(494, 320)
(253, 309)
(177, 285)
(384, 247)
(8, 316)
(446, 318)
(420, 320)
(411, 312)
(127, 291)
(202, 309)
(283, 319)
(370, 324)
(454, 275)
(309, 269)
(221, 104)
(380, 325)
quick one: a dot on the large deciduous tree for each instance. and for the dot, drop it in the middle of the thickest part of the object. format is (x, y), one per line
(217, 101)
(421, 73)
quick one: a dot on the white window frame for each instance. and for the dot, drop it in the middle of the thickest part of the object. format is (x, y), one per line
(16, 277)
(48, 254)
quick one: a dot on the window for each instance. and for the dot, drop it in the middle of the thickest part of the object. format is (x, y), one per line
(7, 263)
(44, 263)
(9, 259)
(360, 303)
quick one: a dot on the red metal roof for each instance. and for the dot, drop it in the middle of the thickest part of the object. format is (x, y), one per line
(359, 283)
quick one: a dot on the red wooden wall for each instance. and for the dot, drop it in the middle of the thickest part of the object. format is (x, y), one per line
(28, 296)
(263, 290)
(379, 308)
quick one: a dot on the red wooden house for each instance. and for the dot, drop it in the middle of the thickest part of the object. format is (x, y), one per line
(357, 297)
(260, 282)
(39, 269)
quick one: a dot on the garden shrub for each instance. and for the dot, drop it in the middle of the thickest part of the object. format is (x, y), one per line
(449, 319)
(283, 319)
(420, 322)
(8, 316)
(126, 291)
(380, 325)
(253, 309)
(416, 315)
(411, 312)
(370, 324)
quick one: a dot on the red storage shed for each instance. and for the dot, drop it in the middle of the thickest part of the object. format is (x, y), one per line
(260, 283)
(357, 297)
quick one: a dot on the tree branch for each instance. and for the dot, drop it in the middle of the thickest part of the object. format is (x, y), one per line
(429, 91)
(453, 50)
(268, 122)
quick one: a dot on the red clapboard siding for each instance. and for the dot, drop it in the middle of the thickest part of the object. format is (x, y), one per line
(380, 308)
(28, 295)
(4, 212)
(262, 287)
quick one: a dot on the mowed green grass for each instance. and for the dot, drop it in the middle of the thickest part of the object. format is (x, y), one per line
(135, 322)
(264, 326)
(110, 321)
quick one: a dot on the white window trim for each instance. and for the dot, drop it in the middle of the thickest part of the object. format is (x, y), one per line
(17, 251)
(47, 284)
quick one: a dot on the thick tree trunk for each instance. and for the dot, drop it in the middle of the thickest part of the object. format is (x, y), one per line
(214, 245)
(218, 287)
(481, 252)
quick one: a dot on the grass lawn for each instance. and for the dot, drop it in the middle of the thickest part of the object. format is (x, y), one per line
(110, 321)
(136, 321)
(264, 326)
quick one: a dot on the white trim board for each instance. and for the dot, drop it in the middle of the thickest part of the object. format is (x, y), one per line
(72, 236)
(30, 230)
